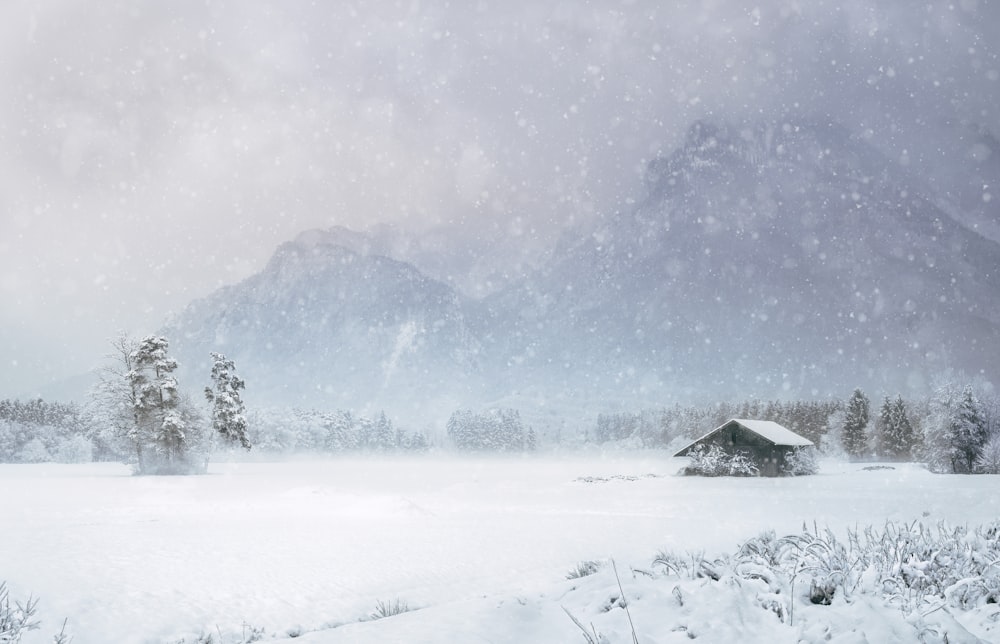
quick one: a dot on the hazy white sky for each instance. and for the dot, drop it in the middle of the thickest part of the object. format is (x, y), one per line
(151, 152)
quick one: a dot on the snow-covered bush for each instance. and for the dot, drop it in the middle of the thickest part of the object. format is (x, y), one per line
(713, 461)
(76, 449)
(18, 619)
(584, 569)
(34, 451)
(385, 609)
(493, 430)
(740, 464)
(801, 461)
(706, 461)
(911, 566)
(989, 459)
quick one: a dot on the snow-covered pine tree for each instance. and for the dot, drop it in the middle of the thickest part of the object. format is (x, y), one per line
(883, 428)
(855, 432)
(937, 428)
(955, 432)
(383, 438)
(417, 442)
(968, 433)
(461, 431)
(511, 431)
(228, 413)
(989, 459)
(531, 440)
(163, 421)
(899, 442)
(342, 434)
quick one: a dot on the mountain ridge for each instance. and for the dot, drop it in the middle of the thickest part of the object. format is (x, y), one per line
(784, 259)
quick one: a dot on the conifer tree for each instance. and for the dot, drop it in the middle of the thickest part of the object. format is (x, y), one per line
(967, 433)
(855, 432)
(228, 413)
(162, 421)
(903, 436)
(895, 430)
(383, 437)
(883, 430)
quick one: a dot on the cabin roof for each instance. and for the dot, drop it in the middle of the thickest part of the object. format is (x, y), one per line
(769, 430)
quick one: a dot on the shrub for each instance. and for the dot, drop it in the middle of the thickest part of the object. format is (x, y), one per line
(740, 464)
(801, 461)
(385, 609)
(989, 459)
(713, 461)
(34, 451)
(75, 449)
(911, 566)
(584, 569)
(15, 620)
(708, 461)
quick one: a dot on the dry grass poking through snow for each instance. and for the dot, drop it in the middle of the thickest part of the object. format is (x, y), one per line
(933, 577)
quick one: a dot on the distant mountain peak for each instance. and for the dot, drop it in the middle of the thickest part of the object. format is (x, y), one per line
(776, 259)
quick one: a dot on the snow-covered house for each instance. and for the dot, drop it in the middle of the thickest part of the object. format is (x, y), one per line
(765, 442)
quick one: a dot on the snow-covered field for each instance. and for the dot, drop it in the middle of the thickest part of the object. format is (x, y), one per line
(479, 548)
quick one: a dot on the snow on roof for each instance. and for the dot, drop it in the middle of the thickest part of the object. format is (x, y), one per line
(772, 431)
(766, 429)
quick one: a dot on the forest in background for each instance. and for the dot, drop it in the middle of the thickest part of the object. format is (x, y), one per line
(956, 429)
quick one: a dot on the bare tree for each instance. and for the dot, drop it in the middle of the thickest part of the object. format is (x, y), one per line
(114, 399)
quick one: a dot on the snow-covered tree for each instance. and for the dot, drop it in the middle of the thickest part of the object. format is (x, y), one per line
(34, 451)
(989, 459)
(341, 433)
(968, 433)
(531, 440)
(955, 432)
(228, 413)
(855, 432)
(896, 435)
(382, 436)
(114, 399)
(937, 428)
(801, 461)
(157, 406)
(498, 430)
(137, 397)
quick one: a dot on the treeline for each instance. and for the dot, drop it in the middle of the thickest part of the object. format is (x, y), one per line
(666, 426)
(36, 431)
(493, 430)
(954, 430)
(289, 431)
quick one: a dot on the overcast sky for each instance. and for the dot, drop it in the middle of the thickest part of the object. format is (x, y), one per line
(153, 151)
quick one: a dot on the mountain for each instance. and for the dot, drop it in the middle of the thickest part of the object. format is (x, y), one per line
(784, 259)
(328, 323)
(790, 259)
(474, 260)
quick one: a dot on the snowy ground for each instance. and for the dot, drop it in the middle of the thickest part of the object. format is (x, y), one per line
(479, 546)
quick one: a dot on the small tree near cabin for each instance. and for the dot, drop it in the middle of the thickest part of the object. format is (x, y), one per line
(228, 413)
